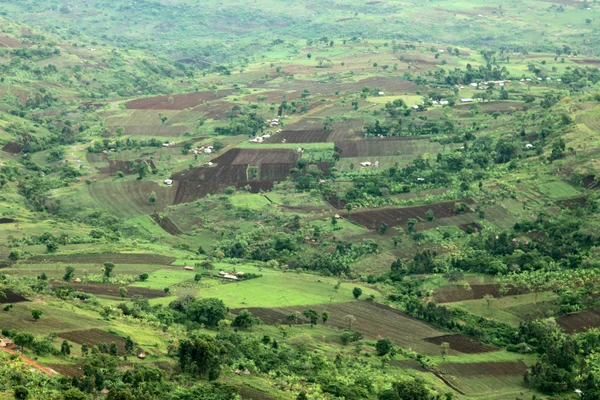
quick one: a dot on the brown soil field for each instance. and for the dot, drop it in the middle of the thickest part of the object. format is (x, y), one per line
(220, 174)
(215, 109)
(11, 297)
(372, 219)
(67, 369)
(167, 225)
(9, 43)
(451, 294)
(373, 320)
(257, 156)
(580, 321)
(377, 147)
(586, 61)
(188, 191)
(475, 226)
(100, 289)
(336, 202)
(12, 148)
(502, 368)
(462, 343)
(301, 136)
(101, 258)
(7, 221)
(590, 182)
(179, 101)
(93, 337)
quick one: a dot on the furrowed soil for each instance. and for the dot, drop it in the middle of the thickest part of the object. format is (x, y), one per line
(101, 258)
(504, 368)
(374, 321)
(462, 343)
(11, 297)
(178, 101)
(372, 219)
(580, 321)
(93, 337)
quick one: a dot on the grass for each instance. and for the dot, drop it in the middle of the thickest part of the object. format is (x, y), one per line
(511, 310)
(165, 278)
(279, 289)
(558, 190)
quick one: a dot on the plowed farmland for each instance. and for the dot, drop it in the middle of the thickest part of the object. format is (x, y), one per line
(580, 321)
(9, 43)
(372, 320)
(178, 101)
(301, 136)
(101, 258)
(372, 219)
(11, 297)
(257, 156)
(130, 198)
(462, 343)
(486, 378)
(93, 337)
(505, 368)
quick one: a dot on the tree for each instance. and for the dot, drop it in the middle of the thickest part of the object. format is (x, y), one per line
(324, 317)
(15, 255)
(108, 269)
(152, 198)
(85, 349)
(142, 169)
(429, 215)
(113, 349)
(396, 240)
(200, 355)
(409, 388)
(121, 394)
(384, 346)
(197, 277)
(207, 311)
(36, 314)
(23, 340)
(244, 320)
(488, 299)
(350, 319)
(356, 292)
(411, 224)
(166, 290)
(65, 348)
(444, 349)
(69, 272)
(383, 227)
(143, 277)
(312, 315)
(129, 345)
(123, 292)
(21, 393)
(51, 247)
(75, 394)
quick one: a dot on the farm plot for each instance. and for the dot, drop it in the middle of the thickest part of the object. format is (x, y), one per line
(372, 219)
(130, 198)
(9, 43)
(178, 101)
(452, 294)
(149, 123)
(93, 337)
(301, 136)
(378, 82)
(10, 297)
(558, 190)
(572, 204)
(400, 146)
(101, 258)
(590, 118)
(273, 96)
(257, 156)
(493, 106)
(166, 224)
(164, 278)
(99, 289)
(12, 148)
(580, 321)
(462, 343)
(485, 378)
(372, 320)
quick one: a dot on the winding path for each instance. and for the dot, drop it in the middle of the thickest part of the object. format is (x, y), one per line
(30, 362)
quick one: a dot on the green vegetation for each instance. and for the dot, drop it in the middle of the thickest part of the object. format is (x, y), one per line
(379, 200)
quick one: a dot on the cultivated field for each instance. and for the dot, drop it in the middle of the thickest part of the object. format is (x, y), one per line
(93, 337)
(580, 321)
(101, 258)
(372, 219)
